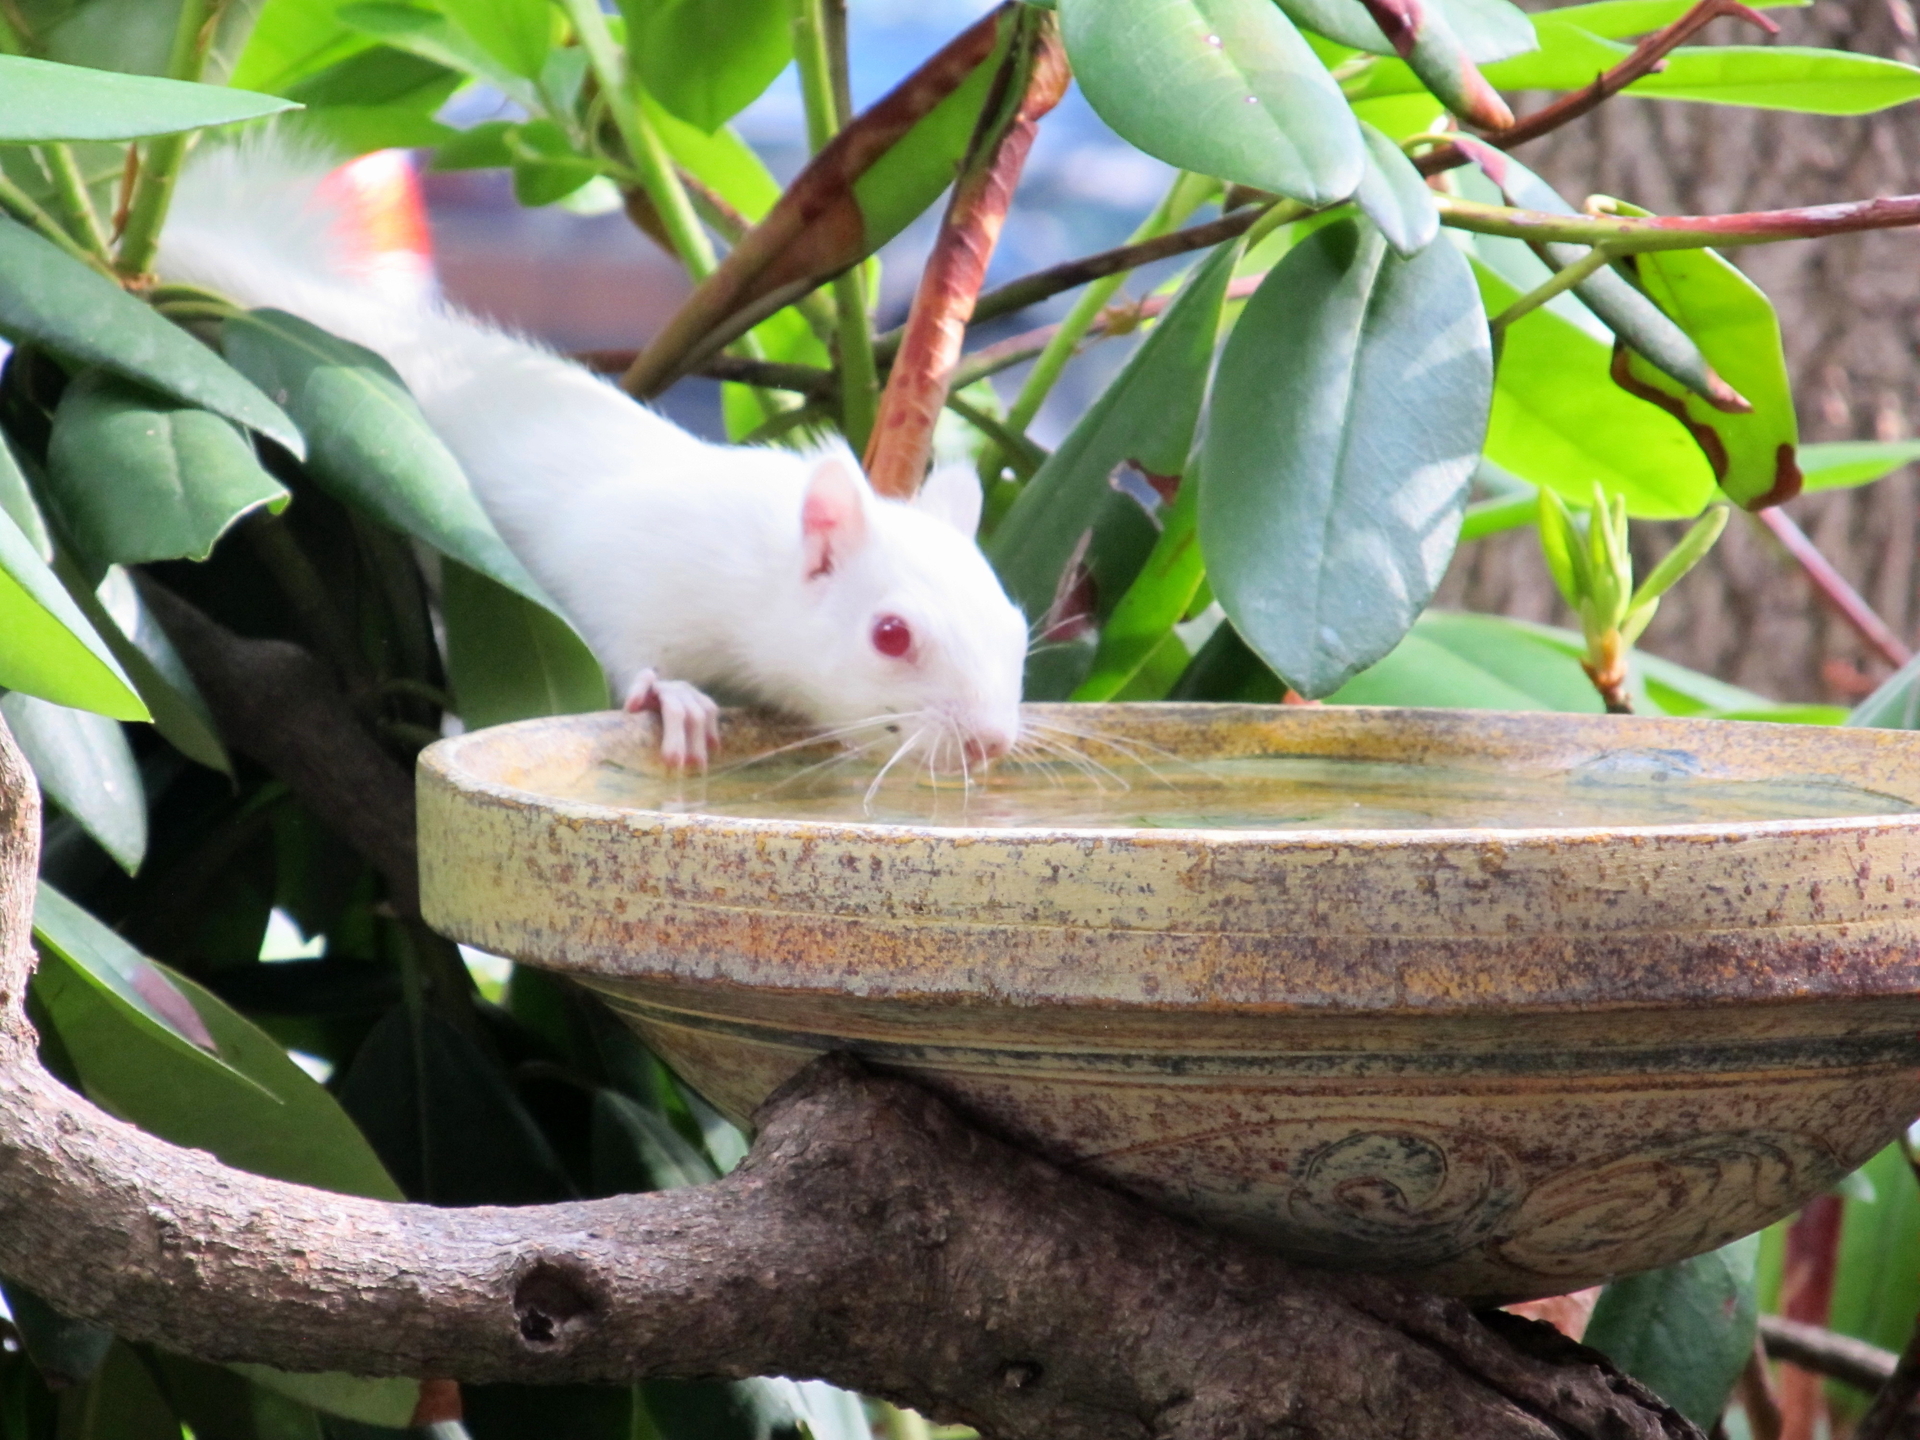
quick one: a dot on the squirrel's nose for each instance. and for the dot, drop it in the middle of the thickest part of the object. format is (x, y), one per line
(987, 745)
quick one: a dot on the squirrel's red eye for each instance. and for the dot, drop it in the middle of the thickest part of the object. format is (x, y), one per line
(891, 636)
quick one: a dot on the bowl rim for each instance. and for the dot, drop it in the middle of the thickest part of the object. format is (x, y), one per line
(444, 759)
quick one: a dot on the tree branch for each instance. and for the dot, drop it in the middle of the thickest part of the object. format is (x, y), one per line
(1832, 587)
(871, 1238)
(276, 703)
(1839, 1357)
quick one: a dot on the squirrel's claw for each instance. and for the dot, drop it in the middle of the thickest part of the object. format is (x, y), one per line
(689, 720)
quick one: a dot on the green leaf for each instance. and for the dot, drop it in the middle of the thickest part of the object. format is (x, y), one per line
(431, 35)
(1876, 1289)
(482, 147)
(47, 646)
(291, 40)
(132, 476)
(707, 60)
(1734, 324)
(84, 766)
(121, 1402)
(248, 1104)
(66, 1351)
(545, 165)
(1623, 19)
(444, 1118)
(142, 648)
(722, 161)
(1394, 195)
(1688, 552)
(1495, 663)
(372, 446)
(1559, 421)
(137, 992)
(377, 99)
(517, 33)
(636, 1150)
(1344, 426)
(1782, 77)
(1896, 704)
(390, 1403)
(509, 659)
(1159, 597)
(17, 504)
(1218, 87)
(40, 100)
(1495, 517)
(1841, 464)
(1685, 1332)
(80, 315)
(1145, 416)
(1488, 30)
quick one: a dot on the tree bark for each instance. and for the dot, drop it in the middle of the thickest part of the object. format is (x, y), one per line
(872, 1238)
(1850, 314)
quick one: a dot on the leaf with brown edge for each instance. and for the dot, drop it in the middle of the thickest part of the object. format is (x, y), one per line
(863, 187)
(1035, 70)
(1422, 37)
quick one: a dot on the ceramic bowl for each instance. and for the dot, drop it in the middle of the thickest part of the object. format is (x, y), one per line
(1502, 1060)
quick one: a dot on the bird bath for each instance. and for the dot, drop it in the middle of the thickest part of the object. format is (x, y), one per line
(1503, 1003)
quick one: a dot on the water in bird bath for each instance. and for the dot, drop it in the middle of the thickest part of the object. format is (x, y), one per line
(1103, 787)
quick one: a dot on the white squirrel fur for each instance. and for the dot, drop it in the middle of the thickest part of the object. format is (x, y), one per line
(677, 560)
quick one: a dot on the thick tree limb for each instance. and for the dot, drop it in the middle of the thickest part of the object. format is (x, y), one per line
(871, 1238)
(276, 703)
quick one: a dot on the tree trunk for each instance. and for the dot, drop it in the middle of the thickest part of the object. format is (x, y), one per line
(1850, 311)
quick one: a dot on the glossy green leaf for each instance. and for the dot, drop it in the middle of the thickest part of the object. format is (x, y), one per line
(1623, 19)
(1345, 423)
(636, 1149)
(1218, 87)
(720, 160)
(545, 166)
(1488, 29)
(1876, 1290)
(1735, 326)
(1896, 704)
(1496, 517)
(136, 991)
(707, 60)
(142, 648)
(1146, 416)
(1159, 597)
(48, 647)
(1685, 1332)
(441, 1114)
(251, 1107)
(1394, 195)
(80, 315)
(1782, 77)
(17, 502)
(517, 34)
(1566, 58)
(132, 476)
(1841, 464)
(432, 35)
(121, 1402)
(40, 100)
(292, 40)
(84, 766)
(390, 1403)
(372, 446)
(379, 98)
(1492, 662)
(480, 147)
(65, 1350)
(1559, 420)
(509, 659)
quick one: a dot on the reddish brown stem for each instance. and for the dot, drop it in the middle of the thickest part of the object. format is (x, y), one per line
(1834, 589)
(815, 230)
(1806, 1295)
(1646, 58)
(896, 458)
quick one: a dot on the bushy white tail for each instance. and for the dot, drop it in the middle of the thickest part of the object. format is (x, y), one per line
(251, 221)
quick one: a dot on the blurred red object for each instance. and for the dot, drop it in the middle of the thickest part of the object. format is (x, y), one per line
(1568, 1314)
(383, 222)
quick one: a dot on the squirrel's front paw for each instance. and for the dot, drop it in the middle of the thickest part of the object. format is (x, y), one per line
(689, 721)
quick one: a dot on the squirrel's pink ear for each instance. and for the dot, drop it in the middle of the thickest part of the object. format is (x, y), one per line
(833, 515)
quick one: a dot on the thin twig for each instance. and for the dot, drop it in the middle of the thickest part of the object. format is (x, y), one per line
(1852, 1362)
(1757, 1395)
(1631, 234)
(1647, 57)
(1891, 1413)
(1832, 586)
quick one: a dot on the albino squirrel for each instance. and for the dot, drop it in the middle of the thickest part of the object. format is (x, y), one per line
(687, 566)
